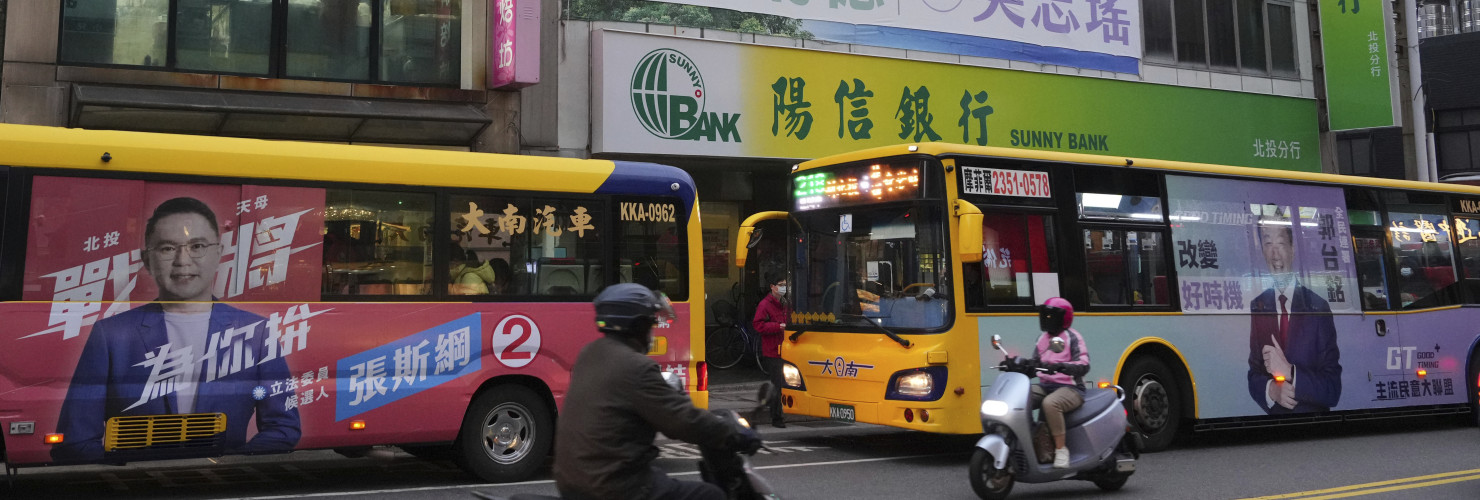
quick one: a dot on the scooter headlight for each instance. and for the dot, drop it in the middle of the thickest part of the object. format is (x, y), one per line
(994, 408)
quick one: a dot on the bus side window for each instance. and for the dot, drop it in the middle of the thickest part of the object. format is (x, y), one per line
(1418, 229)
(1017, 266)
(488, 250)
(1125, 267)
(377, 243)
(652, 248)
(1467, 236)
(566, 247)
(1364, 214)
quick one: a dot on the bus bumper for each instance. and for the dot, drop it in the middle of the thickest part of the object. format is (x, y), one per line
(929, 416)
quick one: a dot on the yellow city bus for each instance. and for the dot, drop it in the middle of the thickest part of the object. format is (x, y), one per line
(173, 296)
(1217, 296)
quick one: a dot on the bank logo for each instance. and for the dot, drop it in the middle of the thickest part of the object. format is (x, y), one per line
(668, 99)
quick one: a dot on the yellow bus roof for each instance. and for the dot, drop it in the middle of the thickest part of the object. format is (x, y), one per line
(942, 148)
(56, 147)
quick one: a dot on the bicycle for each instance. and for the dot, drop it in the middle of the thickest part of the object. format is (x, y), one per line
(727, 342)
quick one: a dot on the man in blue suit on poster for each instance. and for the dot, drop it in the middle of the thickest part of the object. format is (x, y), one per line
(182, 353)
(1291, 332)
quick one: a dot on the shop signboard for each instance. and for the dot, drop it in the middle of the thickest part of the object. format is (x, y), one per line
(514, 59)
(677, 96)
(1108, 27)
(1355, 46)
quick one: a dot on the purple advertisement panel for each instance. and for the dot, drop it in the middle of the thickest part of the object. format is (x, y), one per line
(1281, 254)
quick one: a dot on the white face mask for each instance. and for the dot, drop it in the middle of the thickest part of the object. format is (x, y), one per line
(781, 290)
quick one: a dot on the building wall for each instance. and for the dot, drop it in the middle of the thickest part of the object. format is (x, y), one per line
(35, 89)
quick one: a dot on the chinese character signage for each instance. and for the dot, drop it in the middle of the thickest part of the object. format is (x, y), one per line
(1109, 27)
(514, 57)
(665, 95)
(1356, 50)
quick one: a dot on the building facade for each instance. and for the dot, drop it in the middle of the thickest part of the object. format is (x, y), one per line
(394, 72)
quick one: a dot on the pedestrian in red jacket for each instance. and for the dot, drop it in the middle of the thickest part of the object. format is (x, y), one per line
(770, 323)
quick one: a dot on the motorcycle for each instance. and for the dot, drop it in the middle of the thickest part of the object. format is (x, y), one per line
(1103, 444)
(730, 470)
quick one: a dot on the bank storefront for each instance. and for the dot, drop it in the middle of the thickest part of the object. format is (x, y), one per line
(704, 104)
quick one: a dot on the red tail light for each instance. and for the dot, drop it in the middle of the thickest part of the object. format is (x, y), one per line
(702, 371)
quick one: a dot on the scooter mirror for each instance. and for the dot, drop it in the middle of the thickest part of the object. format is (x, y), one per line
(997, 343)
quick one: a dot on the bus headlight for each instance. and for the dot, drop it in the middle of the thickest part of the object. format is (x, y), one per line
(915, 384)
(994, 408)
(791, 376)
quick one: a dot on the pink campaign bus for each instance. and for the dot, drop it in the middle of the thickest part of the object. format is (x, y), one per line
(174, 296)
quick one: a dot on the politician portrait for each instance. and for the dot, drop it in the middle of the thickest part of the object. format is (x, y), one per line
(183, 353)
(1294, 362)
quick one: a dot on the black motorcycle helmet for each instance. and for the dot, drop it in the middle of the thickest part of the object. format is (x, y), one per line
(630, 309)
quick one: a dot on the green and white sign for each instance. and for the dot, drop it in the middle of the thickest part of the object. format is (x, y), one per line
(657, 94)
(1359, 73)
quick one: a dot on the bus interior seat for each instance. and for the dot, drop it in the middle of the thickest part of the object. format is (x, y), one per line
(562, 279)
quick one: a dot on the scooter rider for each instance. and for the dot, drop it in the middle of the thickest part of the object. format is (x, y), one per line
(1062, 351)
(618, 401)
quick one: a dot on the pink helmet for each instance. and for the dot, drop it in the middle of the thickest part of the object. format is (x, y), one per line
(1055, 315)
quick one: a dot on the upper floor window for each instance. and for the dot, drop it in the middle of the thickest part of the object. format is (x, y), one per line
(390, 41)
(1243, 36)
(1457, 140)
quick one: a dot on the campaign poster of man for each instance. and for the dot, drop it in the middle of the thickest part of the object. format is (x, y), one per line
(142, 272)
(1281, 256)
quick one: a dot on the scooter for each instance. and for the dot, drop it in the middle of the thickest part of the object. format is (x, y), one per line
(729, 470)
(1103, 446)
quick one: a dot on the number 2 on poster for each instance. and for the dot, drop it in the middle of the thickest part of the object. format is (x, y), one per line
(516, 341)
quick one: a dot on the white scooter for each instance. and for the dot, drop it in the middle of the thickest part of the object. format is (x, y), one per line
(1103, 448)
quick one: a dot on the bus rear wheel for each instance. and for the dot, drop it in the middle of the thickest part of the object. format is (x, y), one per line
(506, 434)
(1156, 403)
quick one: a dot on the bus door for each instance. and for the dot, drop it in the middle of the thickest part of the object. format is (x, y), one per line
(1379, 330)
(1434, 340)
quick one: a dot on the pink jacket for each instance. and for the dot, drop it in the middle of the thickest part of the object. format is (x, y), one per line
(769, 316)
(1076, 352)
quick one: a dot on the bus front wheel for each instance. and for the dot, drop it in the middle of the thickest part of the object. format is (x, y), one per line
(506, 434)
(1156, 402)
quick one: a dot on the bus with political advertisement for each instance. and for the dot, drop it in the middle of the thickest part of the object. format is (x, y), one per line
(173, 297)
(1215, 296)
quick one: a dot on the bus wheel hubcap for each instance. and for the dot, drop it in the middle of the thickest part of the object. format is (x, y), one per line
(508, 433)
(1152, 405)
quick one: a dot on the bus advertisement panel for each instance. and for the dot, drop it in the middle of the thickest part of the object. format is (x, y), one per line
(177, 319)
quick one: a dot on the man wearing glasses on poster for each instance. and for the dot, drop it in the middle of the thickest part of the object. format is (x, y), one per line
(184, 353)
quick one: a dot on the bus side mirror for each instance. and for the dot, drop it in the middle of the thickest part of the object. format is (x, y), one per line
(969, 239)
(743, 244)
(749, 236)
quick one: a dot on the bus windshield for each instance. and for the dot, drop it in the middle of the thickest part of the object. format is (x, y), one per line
(871, 264)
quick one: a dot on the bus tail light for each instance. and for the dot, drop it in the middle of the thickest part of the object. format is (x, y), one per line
(702, 370)
(54, 438)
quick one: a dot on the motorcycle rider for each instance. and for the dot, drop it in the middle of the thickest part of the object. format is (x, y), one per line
(1061, 389)
(618, 401)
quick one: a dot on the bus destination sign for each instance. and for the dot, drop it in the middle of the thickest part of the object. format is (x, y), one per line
(857, 185)
(998, 182)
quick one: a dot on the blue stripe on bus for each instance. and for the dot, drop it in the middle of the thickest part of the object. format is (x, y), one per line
(638, 178)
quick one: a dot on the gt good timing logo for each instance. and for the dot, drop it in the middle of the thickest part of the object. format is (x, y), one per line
(668, 97)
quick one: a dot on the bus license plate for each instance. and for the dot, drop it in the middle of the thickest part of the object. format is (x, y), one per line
(841, 412)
